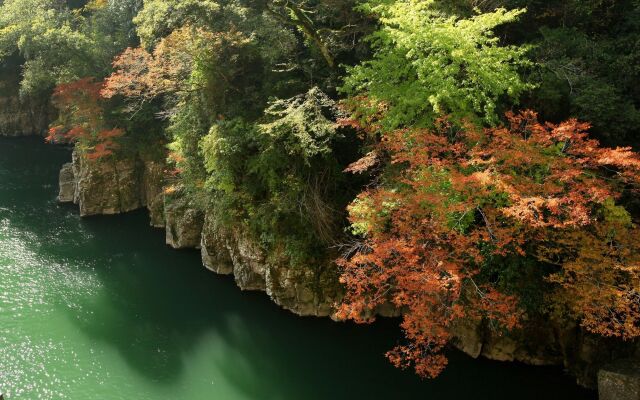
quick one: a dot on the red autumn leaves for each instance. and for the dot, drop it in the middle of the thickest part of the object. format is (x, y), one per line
(455, 198)
(82, 118)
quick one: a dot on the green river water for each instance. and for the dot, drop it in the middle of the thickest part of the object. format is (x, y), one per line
(100, 308)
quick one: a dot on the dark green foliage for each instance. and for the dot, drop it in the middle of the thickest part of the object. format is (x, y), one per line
(519, 276)
(282, 176)
(589, 56)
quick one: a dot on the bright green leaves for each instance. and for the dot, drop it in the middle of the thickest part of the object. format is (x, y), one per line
(41, 33)
(303, 124)
(427, 65)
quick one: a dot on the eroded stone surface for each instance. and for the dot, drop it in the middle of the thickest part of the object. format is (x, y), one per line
(113, 186)
(304, 290)
(467, 337)
(108, 186)
(215, 247)
(23, 118)
(620, 381)
(183, 222)
(547, 342)
(67, 183)
(152, 192)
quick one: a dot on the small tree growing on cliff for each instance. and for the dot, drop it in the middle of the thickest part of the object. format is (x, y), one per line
(82, 119)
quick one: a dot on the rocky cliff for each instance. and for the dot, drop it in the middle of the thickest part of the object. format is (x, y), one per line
(117, 186)
(305, 290)
(21, 115)
(23, 118)
(548, 342)
(113, 186)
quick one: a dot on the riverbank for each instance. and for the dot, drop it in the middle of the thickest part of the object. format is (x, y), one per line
(99, 307)
(112, 187)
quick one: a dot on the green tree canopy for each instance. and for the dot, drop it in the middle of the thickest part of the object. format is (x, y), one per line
(428, 64)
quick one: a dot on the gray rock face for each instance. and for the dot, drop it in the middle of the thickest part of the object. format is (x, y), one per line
(620, 381)
(467, 337)
(183, 223)
(152, 192)
(249, 262)
(307, 290)
(546, 342)
(537, 344)
(113, 186)
(67, 184)
(216, 247)
(107, 186)
(22, 118)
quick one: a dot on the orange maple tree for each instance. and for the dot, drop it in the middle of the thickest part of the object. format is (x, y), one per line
(141, 76)
(81, 119)
(453, 199)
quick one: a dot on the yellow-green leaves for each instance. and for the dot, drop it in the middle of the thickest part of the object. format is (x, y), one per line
(427, 65)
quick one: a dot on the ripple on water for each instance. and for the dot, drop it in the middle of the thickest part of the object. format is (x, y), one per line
(31, 287)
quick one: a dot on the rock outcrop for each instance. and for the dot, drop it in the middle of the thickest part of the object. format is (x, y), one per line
(620, 381)
(153, 191)
(216, 246)
(67, 183)
(546, 342)
(305, 290)
(183, 222)
(21, 115)
(20, 118)
(112, 186)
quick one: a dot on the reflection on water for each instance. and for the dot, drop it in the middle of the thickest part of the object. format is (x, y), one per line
(101, 309)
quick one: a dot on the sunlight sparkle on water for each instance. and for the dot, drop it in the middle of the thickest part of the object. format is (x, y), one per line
(31, 284)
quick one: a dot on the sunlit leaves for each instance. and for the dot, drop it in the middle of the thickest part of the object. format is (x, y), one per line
(428, 64)
(60, 44)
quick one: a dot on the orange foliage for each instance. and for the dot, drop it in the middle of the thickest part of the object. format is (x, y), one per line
(81, 118)
(141, 76)
(600, 276)
(460, 196)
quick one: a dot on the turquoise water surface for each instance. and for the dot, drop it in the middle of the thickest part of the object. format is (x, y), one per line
(100, 308)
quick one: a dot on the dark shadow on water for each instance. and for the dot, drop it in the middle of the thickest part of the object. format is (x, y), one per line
(155, 306)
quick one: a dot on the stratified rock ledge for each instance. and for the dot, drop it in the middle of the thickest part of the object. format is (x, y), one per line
(620, 381)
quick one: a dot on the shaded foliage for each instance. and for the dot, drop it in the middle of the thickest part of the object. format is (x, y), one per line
(282, 176)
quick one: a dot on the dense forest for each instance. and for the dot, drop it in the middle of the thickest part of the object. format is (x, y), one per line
(460, 159)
